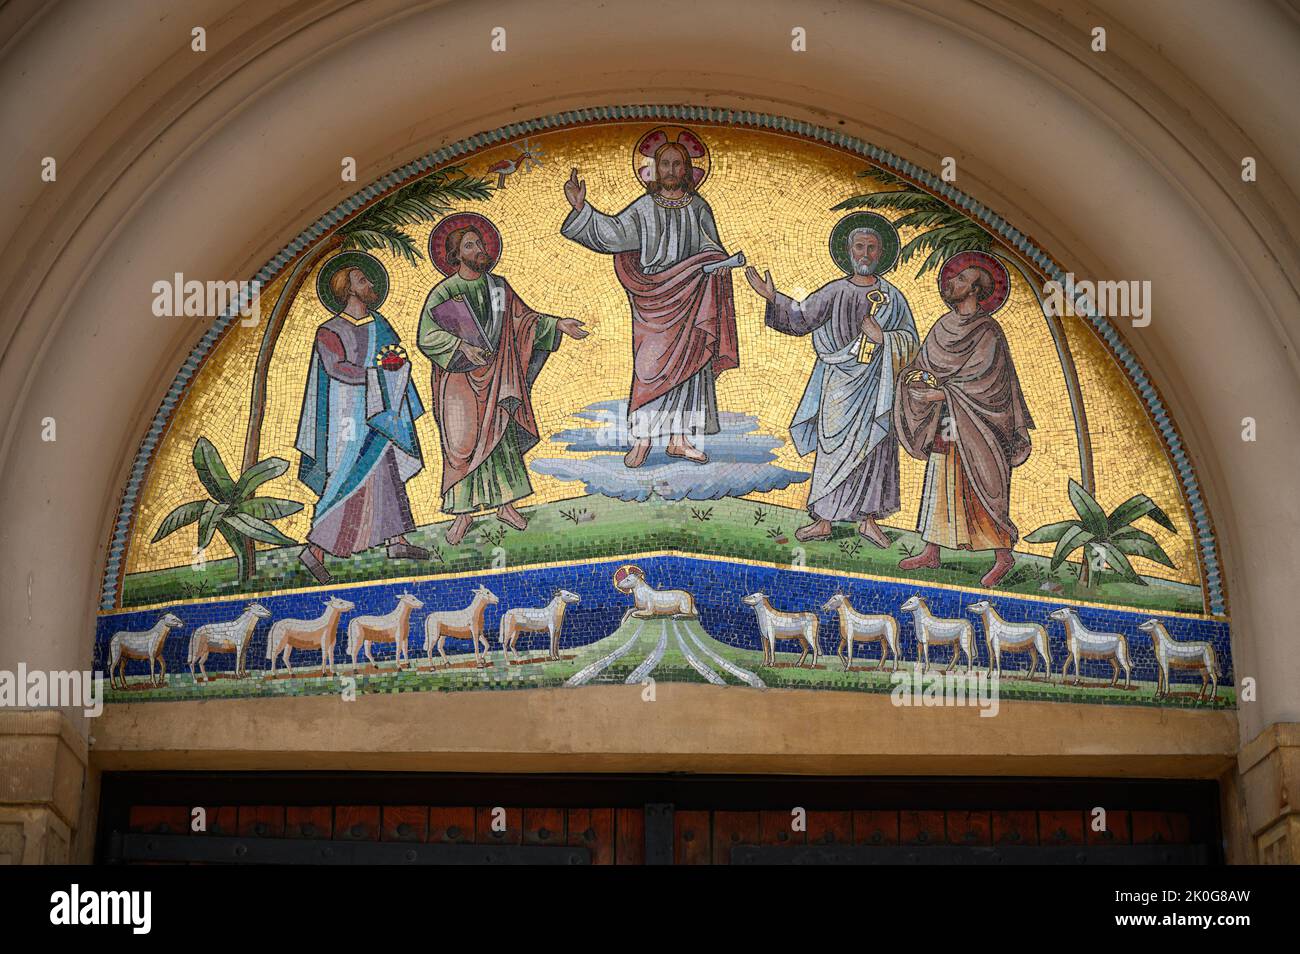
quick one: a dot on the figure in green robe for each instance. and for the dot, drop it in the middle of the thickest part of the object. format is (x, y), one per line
(487, 347)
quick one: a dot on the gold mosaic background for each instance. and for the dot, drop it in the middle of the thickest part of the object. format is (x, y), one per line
(772, 197)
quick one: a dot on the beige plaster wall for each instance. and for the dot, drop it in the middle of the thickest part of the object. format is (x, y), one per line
(1123, 165)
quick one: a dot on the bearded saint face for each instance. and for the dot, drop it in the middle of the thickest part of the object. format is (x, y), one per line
(967, 282)
(864, 251)
(472, 253)
(673, 170)
(363, 287)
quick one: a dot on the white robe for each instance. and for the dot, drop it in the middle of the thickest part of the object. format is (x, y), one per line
(663, 236)
(846, 412)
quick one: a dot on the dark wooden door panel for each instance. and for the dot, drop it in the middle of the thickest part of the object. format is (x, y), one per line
(593, 829)
(261, 821)
(629, 837)
(451, 826)
(499, 825)
(745, 821)
(830, 828)
(692, 843)
(875, 828)
(356, 822)
(404, 823)
(732, 829)
(312, 821)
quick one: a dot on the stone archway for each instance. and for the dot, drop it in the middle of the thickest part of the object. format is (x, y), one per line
(213, 163)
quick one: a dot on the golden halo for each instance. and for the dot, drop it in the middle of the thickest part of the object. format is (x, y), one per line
(626, 570)
(643, 153)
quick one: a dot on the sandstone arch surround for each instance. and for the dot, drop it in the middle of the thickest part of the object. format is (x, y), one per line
(1122, 167)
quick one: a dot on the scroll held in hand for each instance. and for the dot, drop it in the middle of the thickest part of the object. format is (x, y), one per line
(736, 261)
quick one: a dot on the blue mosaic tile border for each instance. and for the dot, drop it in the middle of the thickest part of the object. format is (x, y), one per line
(1212, 576)
(718, 586)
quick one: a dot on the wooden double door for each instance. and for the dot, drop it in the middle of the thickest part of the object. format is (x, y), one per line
(362, 818)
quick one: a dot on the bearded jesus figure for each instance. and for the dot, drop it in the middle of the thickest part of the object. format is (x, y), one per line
(683, 316)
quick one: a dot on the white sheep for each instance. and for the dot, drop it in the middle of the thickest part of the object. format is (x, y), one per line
(1171, 654)
(1083, 643)
(231, 636)
(1003, 637)
(932, 630)
(320, 633)
(858, 627)
(393, 627)
(545, 619)
(464, 623)
(147, 645)
(650, 602)
(774, 624)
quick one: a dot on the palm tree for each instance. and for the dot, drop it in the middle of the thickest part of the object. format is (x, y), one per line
(945, 232)
(232, 510)
(381, 226)
(1110, 536)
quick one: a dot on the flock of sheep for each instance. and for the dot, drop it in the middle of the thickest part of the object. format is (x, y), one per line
(856, 629)
(1000, 637)
(286, 635)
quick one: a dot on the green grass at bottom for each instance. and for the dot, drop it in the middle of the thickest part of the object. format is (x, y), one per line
(730, 527)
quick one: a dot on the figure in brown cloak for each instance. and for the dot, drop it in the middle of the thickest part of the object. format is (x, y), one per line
(960, 409)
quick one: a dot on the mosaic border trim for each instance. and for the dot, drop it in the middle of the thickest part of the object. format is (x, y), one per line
(395, 581)
(1207, 550)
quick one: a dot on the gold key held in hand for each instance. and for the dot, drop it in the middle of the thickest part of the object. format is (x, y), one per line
(867, 348)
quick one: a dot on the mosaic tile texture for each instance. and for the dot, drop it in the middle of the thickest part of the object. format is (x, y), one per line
(772, 197)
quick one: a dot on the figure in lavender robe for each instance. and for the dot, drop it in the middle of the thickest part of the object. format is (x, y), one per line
(356, 432)
(846, 413)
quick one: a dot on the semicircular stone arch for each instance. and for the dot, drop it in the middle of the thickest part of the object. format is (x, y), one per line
(279, 431)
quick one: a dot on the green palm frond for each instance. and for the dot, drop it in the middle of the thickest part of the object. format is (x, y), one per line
(946, 230)
(182, 516)
(1074, 538)
(904, 201)
(885, 177)
(1137, 506)
(212, 471)
(944, 242)
(964, 240)
(393, 241)
(1137, 542)
(383, 225)
(1089, 511)
(1109, 536)
(232, 511)
(930, 218)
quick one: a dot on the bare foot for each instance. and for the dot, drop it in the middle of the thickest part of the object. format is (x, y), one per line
(459, 527)
(313, 558)
(868, 530)
(679, 446)
(926, 559)
(637, 455)
(399, 548)
(817, 530)
(511, 517)
(1001, 567)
